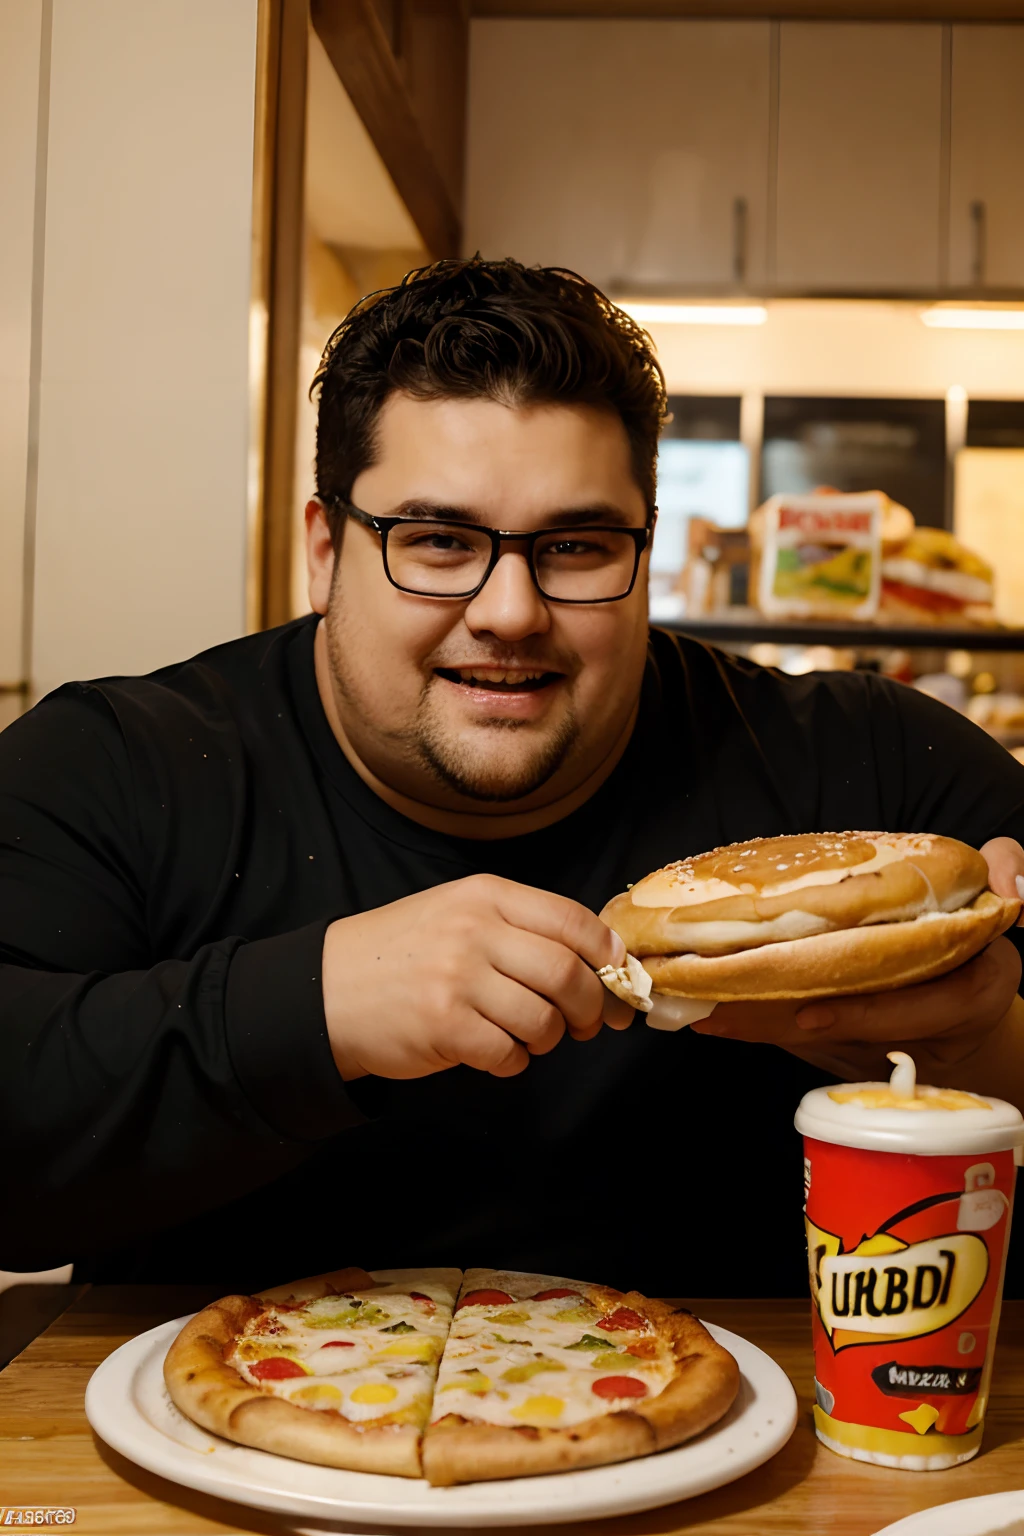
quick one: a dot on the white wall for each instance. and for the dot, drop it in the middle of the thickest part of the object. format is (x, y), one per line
(20, 36)
(141, 514)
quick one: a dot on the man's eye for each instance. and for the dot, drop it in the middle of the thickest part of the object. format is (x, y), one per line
(442, 543)
(574, 547)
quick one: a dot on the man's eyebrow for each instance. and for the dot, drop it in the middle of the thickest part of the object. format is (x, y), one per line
(603, 513)
(436, 511)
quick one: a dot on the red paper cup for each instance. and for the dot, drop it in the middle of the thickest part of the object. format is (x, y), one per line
(908, 1217)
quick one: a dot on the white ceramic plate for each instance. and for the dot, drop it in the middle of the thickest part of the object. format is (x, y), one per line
(127, 1405)
(995, 1514)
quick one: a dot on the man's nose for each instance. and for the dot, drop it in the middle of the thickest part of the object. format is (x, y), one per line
(509, 604)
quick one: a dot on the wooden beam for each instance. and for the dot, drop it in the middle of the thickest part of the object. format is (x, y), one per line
(358, 47)
(774, 10)
(278, 253)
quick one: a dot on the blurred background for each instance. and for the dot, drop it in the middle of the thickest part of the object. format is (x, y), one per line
(816, 209)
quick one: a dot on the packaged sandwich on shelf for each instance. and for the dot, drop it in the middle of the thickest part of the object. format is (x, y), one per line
(811, 558)
(818, 556)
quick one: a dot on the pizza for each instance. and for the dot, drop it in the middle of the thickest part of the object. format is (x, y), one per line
(454, 1377)
(338, 1369)
(541, 1374)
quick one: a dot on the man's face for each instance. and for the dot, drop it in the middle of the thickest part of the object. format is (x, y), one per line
(503, 701)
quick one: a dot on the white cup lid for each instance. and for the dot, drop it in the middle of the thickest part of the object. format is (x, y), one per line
(928, 1132)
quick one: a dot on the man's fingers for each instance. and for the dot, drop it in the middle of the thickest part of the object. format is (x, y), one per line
(761, 1023)
(519, 1012)
(1005, 859)
(977, 994)
(616, 1012)
(481, 1044)
(561, 920)
(551, 970)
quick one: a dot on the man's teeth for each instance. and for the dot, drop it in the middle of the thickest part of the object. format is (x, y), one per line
(493, 675)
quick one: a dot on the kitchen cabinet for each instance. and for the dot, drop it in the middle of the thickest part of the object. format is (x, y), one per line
(635, 152)
(986, 192)
(859, 157)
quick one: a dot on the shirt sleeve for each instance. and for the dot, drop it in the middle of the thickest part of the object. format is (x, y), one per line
(941, 773)
(952, 776)
(136, 1091)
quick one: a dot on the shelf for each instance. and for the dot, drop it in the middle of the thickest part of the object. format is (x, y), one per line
(865, 636)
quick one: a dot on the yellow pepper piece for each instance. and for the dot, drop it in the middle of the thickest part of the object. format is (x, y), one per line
(324, 1393)
(413, 1412)
(542, 1408)
(472, 1381)
(530, 1369)
(410, 1349)
(374, 1392)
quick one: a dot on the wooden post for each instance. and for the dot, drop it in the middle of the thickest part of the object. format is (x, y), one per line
(277, 272)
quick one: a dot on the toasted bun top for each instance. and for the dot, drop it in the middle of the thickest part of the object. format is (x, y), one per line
(836, 879)
(781, 866)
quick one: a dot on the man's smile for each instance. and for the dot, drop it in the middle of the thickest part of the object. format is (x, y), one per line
(498, 679)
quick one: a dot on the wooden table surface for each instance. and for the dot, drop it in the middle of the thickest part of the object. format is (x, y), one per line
(49, 1455)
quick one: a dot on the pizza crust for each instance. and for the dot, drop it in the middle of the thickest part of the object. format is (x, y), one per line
(457, 1450)
(705, 1383)
(208, 1389)
(703, 1388)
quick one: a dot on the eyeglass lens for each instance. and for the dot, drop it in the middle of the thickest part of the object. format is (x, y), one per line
(582, 565)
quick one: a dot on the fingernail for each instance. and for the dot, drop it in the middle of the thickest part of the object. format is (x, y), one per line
(1019, 883)
(618, 949)
(815, 1017)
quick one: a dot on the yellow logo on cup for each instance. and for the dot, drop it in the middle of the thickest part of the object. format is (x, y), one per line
(886, 1289)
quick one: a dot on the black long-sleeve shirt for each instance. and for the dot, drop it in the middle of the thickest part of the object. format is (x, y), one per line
(172, 849)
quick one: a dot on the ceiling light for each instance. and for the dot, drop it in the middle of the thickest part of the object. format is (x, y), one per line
(978, 319)
(697, 314)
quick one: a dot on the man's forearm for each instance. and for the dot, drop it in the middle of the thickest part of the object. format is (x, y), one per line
(132, 1102)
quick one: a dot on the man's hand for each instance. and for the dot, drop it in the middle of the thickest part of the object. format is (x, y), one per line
(481, 971)
(947, 1019)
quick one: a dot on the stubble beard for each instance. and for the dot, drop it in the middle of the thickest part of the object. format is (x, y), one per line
(454, 764)
(429, 745)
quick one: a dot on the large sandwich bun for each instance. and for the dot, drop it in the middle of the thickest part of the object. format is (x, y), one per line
(818, 914)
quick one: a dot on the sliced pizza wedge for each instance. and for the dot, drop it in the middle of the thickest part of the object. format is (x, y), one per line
(338, 1369)
(541, 1374)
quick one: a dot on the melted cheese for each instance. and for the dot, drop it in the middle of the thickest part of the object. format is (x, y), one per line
(535, 1371)
(352, 1364)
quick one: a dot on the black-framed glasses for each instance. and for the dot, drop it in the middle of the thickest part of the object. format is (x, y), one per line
(441, 557)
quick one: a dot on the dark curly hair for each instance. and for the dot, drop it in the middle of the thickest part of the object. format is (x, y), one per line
(463, 329)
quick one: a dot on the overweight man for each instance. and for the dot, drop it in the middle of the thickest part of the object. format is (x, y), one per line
(298, 937)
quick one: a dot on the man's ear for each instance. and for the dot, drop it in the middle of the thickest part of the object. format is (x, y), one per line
(319, 556)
